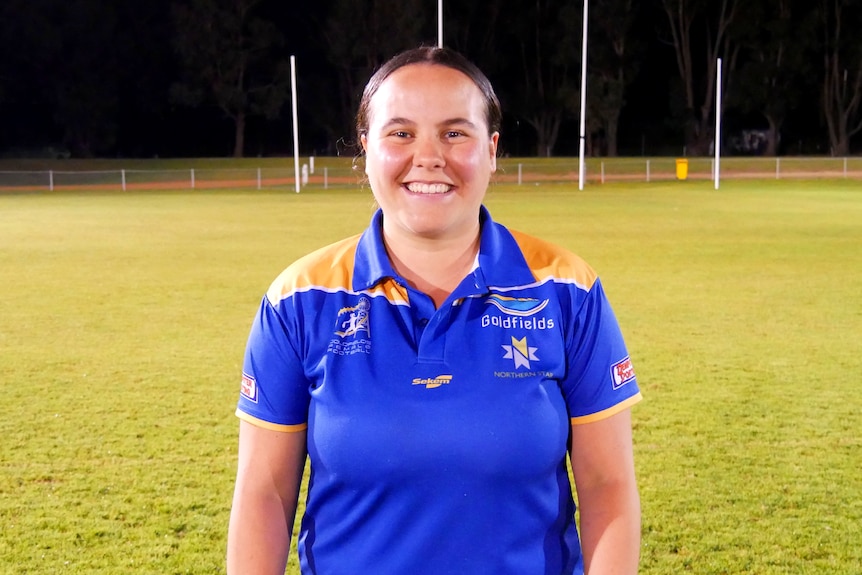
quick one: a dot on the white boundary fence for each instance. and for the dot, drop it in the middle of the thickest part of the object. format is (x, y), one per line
(192, 178)
(332, 172)
(608, 170)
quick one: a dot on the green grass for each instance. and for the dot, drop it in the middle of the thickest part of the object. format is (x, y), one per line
(123, 319)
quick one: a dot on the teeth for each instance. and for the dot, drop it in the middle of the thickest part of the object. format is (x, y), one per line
(419, 188)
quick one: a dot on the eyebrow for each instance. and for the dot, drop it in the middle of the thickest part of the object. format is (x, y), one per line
(448, 122)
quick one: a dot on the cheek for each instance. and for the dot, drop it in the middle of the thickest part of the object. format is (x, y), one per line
(474, 160)
(382, 160)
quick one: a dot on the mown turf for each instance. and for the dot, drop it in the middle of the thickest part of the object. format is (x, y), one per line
(123, 319)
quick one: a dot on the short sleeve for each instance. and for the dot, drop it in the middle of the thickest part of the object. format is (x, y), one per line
(274, 391)
(600, 379)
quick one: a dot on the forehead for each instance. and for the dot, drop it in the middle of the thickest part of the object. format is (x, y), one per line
(422, 89)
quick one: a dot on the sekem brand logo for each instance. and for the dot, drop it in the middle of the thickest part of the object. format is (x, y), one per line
(432, 382)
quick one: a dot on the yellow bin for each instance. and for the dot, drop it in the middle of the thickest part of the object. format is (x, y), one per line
(681, 168)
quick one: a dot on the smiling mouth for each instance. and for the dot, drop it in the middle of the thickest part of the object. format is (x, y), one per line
(429, 189)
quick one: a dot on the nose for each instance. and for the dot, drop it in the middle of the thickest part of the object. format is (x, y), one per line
(428, 153)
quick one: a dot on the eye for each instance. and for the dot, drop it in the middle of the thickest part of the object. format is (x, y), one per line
(453, 134)
(401, 134)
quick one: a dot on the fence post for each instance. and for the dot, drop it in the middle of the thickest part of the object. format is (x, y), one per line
(51, 180)
(258, 178)
(519, 173)
(123, 178)
(647, 171)
(603, 171)
(193, 178)
(325, 178)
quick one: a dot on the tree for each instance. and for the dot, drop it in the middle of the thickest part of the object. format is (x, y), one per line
(230, 57)
(63, 73)
(7, 65)
(146, 71)
(775, 40)
(714, 18)
(472, 30)
(87, 77)
(360, 36)
(546, 44)
(842, 72)
(612, 64)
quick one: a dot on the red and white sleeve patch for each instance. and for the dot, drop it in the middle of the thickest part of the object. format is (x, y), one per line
(622, 372)
(248, 388)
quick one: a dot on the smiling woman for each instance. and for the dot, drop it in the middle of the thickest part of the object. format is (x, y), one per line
(429, 158)
(437, 371)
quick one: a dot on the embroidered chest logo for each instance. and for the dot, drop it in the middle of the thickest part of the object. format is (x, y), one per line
(520, 352)
(517, 313)
(354, 319)
(352, 326)
(517, 306)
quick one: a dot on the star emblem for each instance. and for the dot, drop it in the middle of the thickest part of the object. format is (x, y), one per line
(520, 352)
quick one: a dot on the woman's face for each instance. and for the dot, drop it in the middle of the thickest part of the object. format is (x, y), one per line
(429, 157)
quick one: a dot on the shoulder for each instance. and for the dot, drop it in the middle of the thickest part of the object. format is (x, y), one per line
(328, 268)
(549, 261)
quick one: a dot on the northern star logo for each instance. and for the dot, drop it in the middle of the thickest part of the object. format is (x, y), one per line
(519, 306)
(432, 382)
(520, 352)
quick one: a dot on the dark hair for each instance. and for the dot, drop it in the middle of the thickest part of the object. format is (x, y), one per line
(440, 57)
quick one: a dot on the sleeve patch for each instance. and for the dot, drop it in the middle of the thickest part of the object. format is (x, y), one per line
(622, 372)
(248, 388)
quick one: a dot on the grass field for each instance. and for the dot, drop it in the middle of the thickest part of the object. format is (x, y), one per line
(123, 319)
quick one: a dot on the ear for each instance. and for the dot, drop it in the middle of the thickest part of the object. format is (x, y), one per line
(492, 149)
(363, 141)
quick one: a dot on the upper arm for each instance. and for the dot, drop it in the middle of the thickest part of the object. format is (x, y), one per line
(271, 458)
(264, 503)
(602, 452)
(609, 506)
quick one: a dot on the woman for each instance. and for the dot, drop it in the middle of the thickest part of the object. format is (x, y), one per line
(437, 370)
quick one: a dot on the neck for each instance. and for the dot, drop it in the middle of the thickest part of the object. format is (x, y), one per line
(434, 266)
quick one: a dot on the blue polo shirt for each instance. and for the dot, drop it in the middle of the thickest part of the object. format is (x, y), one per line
(437, 437)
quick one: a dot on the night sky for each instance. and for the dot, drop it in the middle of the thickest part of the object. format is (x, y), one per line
(108, 70)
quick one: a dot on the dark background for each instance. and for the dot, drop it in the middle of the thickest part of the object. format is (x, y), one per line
(201, 78)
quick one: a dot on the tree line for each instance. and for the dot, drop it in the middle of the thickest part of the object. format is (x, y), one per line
(191, 77)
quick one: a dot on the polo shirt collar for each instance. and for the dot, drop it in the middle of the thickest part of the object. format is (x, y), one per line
(500, 261)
